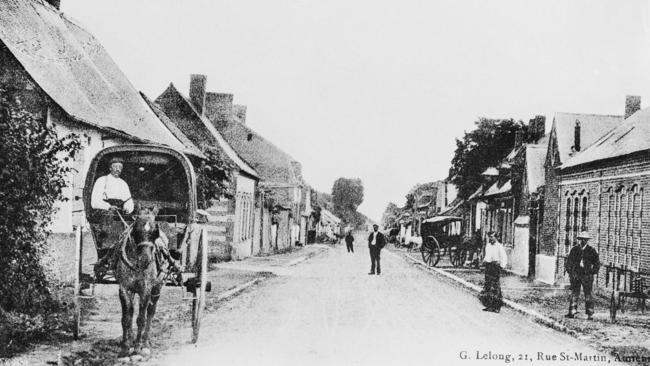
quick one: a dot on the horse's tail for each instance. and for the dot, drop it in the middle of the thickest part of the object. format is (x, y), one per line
(123, 255)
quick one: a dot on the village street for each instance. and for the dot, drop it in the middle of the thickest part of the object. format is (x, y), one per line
(328, 311)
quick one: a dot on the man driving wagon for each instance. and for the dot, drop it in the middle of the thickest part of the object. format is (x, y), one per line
(111, 193)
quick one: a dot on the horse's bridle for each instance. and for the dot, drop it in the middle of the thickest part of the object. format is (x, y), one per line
(126, 237)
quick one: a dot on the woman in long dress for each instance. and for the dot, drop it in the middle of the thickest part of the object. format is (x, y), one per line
(495, 259)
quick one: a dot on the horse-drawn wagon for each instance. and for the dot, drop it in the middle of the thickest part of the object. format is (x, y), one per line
(162, 242)
(445, 235)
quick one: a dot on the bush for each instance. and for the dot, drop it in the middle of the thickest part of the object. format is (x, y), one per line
(32, 157)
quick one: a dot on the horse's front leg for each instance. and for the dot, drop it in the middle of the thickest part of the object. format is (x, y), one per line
(126, 300)
(145, 298)
(151, 311)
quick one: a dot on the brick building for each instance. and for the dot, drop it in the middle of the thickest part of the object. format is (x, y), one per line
(602, 190)
(583, 162)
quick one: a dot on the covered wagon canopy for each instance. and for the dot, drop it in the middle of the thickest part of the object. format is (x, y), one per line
(442, 219)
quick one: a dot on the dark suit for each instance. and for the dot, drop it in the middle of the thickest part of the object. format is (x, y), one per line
(582, 265)
(349, 239)
(375, 250)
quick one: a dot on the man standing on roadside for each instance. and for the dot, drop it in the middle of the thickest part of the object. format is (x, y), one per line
(349, 239)
(376, 241)
(581, 265)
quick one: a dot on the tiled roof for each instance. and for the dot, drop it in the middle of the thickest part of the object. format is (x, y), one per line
(592, 127)
(73, 69)
(181, 112)
(633, 135)
(273, 164)
(535, 157)
(190, 147)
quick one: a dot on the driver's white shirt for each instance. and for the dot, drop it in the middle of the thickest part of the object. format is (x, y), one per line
(109, 187)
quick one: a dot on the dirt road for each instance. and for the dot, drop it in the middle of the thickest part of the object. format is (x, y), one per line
(329, 311)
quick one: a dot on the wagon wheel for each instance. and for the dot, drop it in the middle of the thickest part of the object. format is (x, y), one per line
(430, 251)
(198, 303)
(457, 256)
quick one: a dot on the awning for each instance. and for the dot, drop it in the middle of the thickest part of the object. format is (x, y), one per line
(496, 190)
(440, 219)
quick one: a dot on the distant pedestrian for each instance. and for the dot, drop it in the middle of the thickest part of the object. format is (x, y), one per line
(349, 239)
(581, 265)
(376, 241)
(495, 259)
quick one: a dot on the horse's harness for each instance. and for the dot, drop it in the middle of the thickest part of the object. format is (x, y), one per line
(125, 237)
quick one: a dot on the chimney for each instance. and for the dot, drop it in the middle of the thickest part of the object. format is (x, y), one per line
(197, 91)
(576, 137)
(519, 138)
(632, 104)
(55, 3)
(537, 127)
(218, 108)
(240, 111)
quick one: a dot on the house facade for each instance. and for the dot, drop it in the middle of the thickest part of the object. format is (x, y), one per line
(61, 74)
(571, 133)
(603, 190)
(504, 204)
(282, 207)
(231, 218)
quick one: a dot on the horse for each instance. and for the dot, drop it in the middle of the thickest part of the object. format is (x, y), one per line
(137, 273)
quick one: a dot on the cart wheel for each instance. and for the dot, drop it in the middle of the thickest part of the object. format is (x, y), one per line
(430, 251)
(457, 256)
(198, 303)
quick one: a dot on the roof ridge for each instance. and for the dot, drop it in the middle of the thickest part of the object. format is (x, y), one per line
(590, 114)
(290, 158)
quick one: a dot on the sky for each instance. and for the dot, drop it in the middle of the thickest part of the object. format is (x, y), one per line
(380, 90)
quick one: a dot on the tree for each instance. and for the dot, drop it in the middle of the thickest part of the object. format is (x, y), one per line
(480, 149)
(214, 177)
(347, 195)
(389, 218)
(32, 176)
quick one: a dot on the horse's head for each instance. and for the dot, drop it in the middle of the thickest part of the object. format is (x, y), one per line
(145, 228)
(144, 232)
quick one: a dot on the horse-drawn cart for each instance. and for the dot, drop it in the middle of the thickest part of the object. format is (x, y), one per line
(444, 235)
(130, 246)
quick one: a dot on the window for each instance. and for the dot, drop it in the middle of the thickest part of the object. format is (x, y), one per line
(623, 211)
(585, 214)
(567, 228)
(576, 218)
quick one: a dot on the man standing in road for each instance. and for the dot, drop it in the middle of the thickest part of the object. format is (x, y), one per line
(349, 239)
(376, 242)
(495, 259)
(581, 265)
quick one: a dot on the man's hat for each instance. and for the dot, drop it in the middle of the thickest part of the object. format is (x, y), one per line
(584, 235)
(116, 159)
